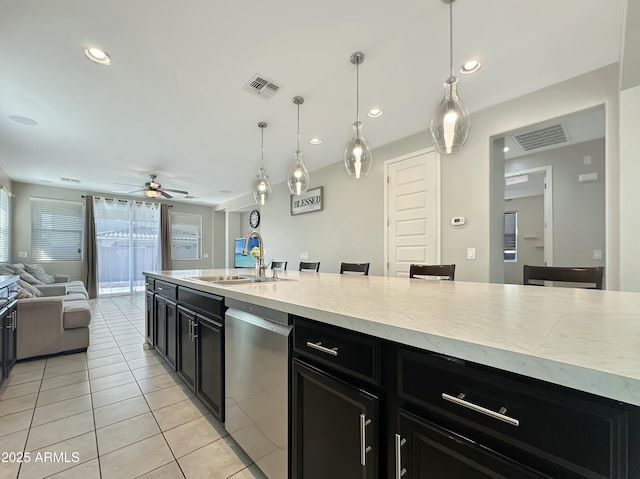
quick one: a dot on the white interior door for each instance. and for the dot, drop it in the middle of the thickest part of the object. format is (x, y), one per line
(412, 212)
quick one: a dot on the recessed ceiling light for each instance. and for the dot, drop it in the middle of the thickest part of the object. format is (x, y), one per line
(23, 120)
(505, 149)
(315, 141)
(375, 112)
(97, 55)
(470, 67)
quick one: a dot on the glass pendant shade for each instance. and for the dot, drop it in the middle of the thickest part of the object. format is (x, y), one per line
(261, 188)
(451, 121)
(298, 181)
(357, 154)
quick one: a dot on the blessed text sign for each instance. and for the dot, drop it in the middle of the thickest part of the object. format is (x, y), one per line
(307, 202)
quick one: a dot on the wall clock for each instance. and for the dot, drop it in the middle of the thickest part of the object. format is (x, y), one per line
(254, 218)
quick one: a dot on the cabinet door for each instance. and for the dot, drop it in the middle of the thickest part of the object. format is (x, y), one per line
(186, 347)
(11, 337)
(171, 315)
(4, 320)
(209, 386)
(425, 450)
(150, 320)
(160, 324)
(335, 427)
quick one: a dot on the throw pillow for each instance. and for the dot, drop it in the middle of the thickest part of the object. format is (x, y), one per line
(35, 292)
(28, 278)
(38, 272)
(23, 293)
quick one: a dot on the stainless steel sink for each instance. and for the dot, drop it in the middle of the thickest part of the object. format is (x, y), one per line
(238, 279)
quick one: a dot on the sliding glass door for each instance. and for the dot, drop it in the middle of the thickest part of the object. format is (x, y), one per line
(127, 239)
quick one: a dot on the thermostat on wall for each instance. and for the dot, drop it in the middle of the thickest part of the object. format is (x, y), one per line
(457, 221)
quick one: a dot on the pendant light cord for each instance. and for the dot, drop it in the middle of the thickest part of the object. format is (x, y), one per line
(298, 126)
(358, 91)
(451, 36)
(262, 149)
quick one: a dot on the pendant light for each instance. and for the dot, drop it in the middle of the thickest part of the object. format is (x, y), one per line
(298, 175)
(450, 123)
(357, 155)
(262, 187)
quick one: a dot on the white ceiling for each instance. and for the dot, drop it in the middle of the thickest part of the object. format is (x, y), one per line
(171, 102)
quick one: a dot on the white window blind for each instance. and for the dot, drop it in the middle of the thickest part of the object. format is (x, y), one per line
(510, 236)
(5, 232)
(186, 236)
(56, 230)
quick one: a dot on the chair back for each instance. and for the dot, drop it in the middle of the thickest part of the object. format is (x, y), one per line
(309, 266)
(445, 271)
(537, 275)
(279, 265)
(355, 268)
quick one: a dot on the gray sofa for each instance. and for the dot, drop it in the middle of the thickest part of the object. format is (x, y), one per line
(52, 318)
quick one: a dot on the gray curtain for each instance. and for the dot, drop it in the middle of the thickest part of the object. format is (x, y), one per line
(165, 237)
(90, 250)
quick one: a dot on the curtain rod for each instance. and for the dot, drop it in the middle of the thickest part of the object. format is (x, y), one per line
(127, 201)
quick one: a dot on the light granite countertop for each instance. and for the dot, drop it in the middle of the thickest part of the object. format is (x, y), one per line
(584, 339)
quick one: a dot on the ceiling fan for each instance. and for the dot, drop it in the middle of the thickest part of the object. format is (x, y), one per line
(153, 189)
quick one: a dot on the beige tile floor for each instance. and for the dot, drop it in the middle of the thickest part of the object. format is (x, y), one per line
(114, 412)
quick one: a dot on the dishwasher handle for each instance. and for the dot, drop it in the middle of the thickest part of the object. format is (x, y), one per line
(274, 327)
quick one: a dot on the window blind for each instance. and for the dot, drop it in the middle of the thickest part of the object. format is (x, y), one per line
(510, 235)
(186, 236)
(56, 230)
(5, 232)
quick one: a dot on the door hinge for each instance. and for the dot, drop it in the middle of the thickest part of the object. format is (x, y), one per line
(388, 180)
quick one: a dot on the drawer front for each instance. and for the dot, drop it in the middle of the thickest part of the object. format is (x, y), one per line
(582, 436)
(149, 283)
(207, 304)
(347, 351)
(168, 290)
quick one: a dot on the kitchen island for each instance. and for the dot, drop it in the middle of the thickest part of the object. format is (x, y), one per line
(586, 340)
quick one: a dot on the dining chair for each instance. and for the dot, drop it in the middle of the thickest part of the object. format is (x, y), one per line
(309, 266)
(445, 271)
(279, 265)
(355, 268)
(537, 275)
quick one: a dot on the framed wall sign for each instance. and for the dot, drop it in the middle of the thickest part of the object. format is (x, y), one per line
(307, 202)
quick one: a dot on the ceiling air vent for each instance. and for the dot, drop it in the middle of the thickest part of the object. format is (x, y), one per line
(543, 137)
(261, 86)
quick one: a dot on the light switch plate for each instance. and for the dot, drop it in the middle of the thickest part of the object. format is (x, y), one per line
(471, 253)
(597, 254)
(304, 255)
(22, 254)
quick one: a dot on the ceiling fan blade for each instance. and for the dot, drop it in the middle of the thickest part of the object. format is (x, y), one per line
(136, 191)
(182, 192)
(126, 184)
(166, 195)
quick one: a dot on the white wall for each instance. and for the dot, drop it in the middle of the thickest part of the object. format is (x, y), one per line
(578, 208)
(21, 234)
(629, 188)
(530, 223)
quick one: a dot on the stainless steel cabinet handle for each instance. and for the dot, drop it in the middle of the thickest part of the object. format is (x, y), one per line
(320, 347)
(400, 471)
(195, 327)
(364, 449)
(482, 410)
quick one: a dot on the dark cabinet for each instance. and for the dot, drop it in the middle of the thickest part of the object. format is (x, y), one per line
(165, 326)
(335, 427)
(150, 318)
(8, 329)
(200, 346)
(335, 403)
(209, 384)
(160, 324)
(187, 346)
(424, 450)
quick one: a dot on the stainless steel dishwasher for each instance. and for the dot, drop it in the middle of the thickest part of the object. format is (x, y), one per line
(257, 384)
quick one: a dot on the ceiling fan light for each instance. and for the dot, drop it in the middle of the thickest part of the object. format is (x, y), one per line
(152, 193)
